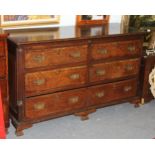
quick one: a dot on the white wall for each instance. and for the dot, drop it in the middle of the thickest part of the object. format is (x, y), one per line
(115, 18)
(67, 20)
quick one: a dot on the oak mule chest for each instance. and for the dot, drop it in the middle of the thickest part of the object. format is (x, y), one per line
(70, 70)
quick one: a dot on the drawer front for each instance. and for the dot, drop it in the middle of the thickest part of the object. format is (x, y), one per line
(116, 49)
(2, 50)
(112, 70)
(58, 78)
(55, 56)
(3, 85)
(2, 67)
(56, 103)
(113, 91)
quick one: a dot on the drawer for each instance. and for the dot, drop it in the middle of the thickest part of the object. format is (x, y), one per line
(114, 91)
(116, 49)
(55, 56)
(113, 70)
(2, 67)
(56, 103)
(2, 50)
(59, 78)
(3, 85)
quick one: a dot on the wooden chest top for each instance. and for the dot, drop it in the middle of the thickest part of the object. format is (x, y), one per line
(68, 33)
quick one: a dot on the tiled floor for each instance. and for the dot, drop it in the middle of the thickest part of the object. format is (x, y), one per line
(120, 121)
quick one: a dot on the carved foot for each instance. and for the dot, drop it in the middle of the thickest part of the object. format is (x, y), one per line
(136, 102)
(19, 132)
(84, 115)
(20, 126)
(137, 105)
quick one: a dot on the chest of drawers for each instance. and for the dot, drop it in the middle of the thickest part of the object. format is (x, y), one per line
(4, 77)
(71, 75)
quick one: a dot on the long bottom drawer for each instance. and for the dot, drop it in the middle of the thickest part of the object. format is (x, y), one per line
(37, 107)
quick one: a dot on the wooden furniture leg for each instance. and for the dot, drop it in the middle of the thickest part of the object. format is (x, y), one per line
(84, 114)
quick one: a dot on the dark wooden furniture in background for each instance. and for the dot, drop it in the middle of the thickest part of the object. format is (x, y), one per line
(71, 74)
(4, 77)
(83, 20)
(148, 63)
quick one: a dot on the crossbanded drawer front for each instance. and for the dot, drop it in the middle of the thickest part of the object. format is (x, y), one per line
(2, 50)
(55, 56)
(116, 49)
(113, 70)
(114, 91)
(2, 67)
(59, 78)
(37, 107)
(3, 85)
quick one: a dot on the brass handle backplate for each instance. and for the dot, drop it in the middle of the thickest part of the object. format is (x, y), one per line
(39, 106)
(74, 76)
(73, 100)
(39, 82)
(127, 88)
(39, 58)
(131, 48)
(75, 54)
(129, 67)
(100, 72)
(103, 51)
(100, 94)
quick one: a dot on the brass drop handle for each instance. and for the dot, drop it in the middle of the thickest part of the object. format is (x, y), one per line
(127, 88)
(129, 67)
(75, 54)
(100, 94)
(100, 72)
(39, 106)
(103, 51)
(39, 82)
(74, 99)
(131, 48)
(39, 58)
(74, 76)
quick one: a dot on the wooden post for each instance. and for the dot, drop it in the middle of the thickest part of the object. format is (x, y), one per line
(2, 127)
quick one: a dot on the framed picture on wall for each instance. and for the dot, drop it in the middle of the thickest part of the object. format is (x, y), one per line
(82, 20)
(28, 20)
